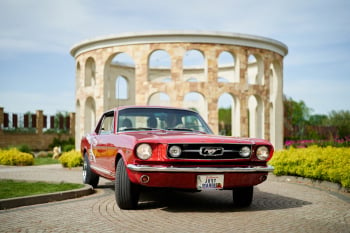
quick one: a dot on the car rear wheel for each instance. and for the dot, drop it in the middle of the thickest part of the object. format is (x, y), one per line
(89, 177)
(126, 192)
(242, 196)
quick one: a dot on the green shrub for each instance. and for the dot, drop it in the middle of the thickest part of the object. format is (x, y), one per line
(321, 163)
(15, 157)
(24, 148)
(66, 145)
(71, 159)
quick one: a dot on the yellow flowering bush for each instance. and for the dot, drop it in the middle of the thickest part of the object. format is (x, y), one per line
(15, 157)
(321, 163)
(71, 159)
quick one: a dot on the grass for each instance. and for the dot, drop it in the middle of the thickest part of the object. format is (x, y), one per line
(45, 161)
(11, 188)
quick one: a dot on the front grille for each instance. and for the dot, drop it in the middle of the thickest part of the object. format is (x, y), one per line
(209, 151)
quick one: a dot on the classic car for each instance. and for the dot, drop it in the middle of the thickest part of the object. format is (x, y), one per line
(165, 147)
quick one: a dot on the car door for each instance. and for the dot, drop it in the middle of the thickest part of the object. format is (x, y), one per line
(102, 144)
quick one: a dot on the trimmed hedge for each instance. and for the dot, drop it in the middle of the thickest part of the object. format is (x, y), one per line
(71, 159)
(15, 157)
(320, 163)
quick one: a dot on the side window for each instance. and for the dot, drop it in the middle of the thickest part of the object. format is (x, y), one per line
(107, 125)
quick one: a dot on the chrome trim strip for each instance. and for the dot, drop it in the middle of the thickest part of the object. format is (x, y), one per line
(147, 168)
(102, 170)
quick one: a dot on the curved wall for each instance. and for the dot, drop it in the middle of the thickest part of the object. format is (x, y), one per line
(252, 75)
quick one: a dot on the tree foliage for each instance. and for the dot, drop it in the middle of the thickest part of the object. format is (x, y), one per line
(341, 121)
(299, 123)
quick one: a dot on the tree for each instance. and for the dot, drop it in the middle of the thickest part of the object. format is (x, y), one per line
(296, 117)
(341, 121)
(225, 121)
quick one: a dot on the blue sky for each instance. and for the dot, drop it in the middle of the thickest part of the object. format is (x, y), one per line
(37, 70)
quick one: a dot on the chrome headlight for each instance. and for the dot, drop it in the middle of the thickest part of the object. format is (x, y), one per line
(262, 153)
(244, 152)
(175, 151)
(144, 151)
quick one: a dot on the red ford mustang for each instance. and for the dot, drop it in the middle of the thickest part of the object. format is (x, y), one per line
(170, 148)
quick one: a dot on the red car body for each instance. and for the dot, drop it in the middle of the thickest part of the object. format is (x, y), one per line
(128, 148)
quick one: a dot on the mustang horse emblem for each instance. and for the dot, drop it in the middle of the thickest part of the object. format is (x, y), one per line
(211, 151)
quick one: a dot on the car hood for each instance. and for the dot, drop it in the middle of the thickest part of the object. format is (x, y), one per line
(168, 137)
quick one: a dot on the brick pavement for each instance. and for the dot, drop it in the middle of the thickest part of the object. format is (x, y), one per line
(277, 207)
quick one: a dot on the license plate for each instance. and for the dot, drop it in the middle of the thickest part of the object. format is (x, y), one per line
(207, 182)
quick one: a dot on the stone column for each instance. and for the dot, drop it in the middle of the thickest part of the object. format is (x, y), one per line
(244, 116)
(72, 124)
(39, 121)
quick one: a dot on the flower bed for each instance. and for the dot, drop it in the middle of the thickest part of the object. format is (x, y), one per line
(342, 142)
(71, 159)
(15, 157)
(321, 163)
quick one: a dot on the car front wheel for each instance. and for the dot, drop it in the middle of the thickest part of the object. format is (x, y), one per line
(126, 192)
(89, 177)
(242, 196)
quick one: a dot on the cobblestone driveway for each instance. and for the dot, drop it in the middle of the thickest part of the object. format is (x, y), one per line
(277, 207)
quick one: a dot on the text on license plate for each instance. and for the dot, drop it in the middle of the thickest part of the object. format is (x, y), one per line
(213, 181)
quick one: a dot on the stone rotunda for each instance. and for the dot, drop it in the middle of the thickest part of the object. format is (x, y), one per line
(189, 69)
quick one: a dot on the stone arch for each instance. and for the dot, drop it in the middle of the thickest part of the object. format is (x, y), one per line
(121, 88)
(195, 100)
(120, 76)
(202, 76)
(159, 99)
(77, 123)
(192, 80)
(227, 67)
(90, 72)
(256, 116)
(159, 66)
(194, 65)
(90, 115)
(229, 101)
(77, 74)
(255, 69)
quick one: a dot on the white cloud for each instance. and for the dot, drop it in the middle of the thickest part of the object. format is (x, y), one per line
(316, 32)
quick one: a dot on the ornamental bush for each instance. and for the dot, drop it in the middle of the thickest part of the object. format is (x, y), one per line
(71, 159)
(15, 157)
(321, 163)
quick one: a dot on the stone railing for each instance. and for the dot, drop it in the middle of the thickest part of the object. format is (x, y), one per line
(35, 130)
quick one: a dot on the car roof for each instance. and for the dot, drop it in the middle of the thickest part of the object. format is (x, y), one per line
(145, 106)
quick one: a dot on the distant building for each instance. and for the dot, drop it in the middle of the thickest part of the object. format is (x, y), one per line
(184, 69)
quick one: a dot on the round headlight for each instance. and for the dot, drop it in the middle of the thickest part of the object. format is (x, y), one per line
(175, 151)
(262, 153)
(245, 151)
(144, 151)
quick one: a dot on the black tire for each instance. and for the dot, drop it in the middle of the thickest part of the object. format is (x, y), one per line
(242, 196)
(126, 193)
(89, 177)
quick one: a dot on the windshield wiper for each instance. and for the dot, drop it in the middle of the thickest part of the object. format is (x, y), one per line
(186, 129)
(139, 128)
(180, 129)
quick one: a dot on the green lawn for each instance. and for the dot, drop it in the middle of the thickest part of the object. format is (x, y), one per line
(11, 188)
(45, 160)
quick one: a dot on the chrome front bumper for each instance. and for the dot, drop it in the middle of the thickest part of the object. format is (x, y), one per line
(147, 168)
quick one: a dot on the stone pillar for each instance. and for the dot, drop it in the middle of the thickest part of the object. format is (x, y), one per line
(72, 124)
(244, 116)
(213, 117)
(266, 126)
(39, 121)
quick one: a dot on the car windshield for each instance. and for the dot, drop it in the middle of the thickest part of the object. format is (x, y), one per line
(135, 119)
